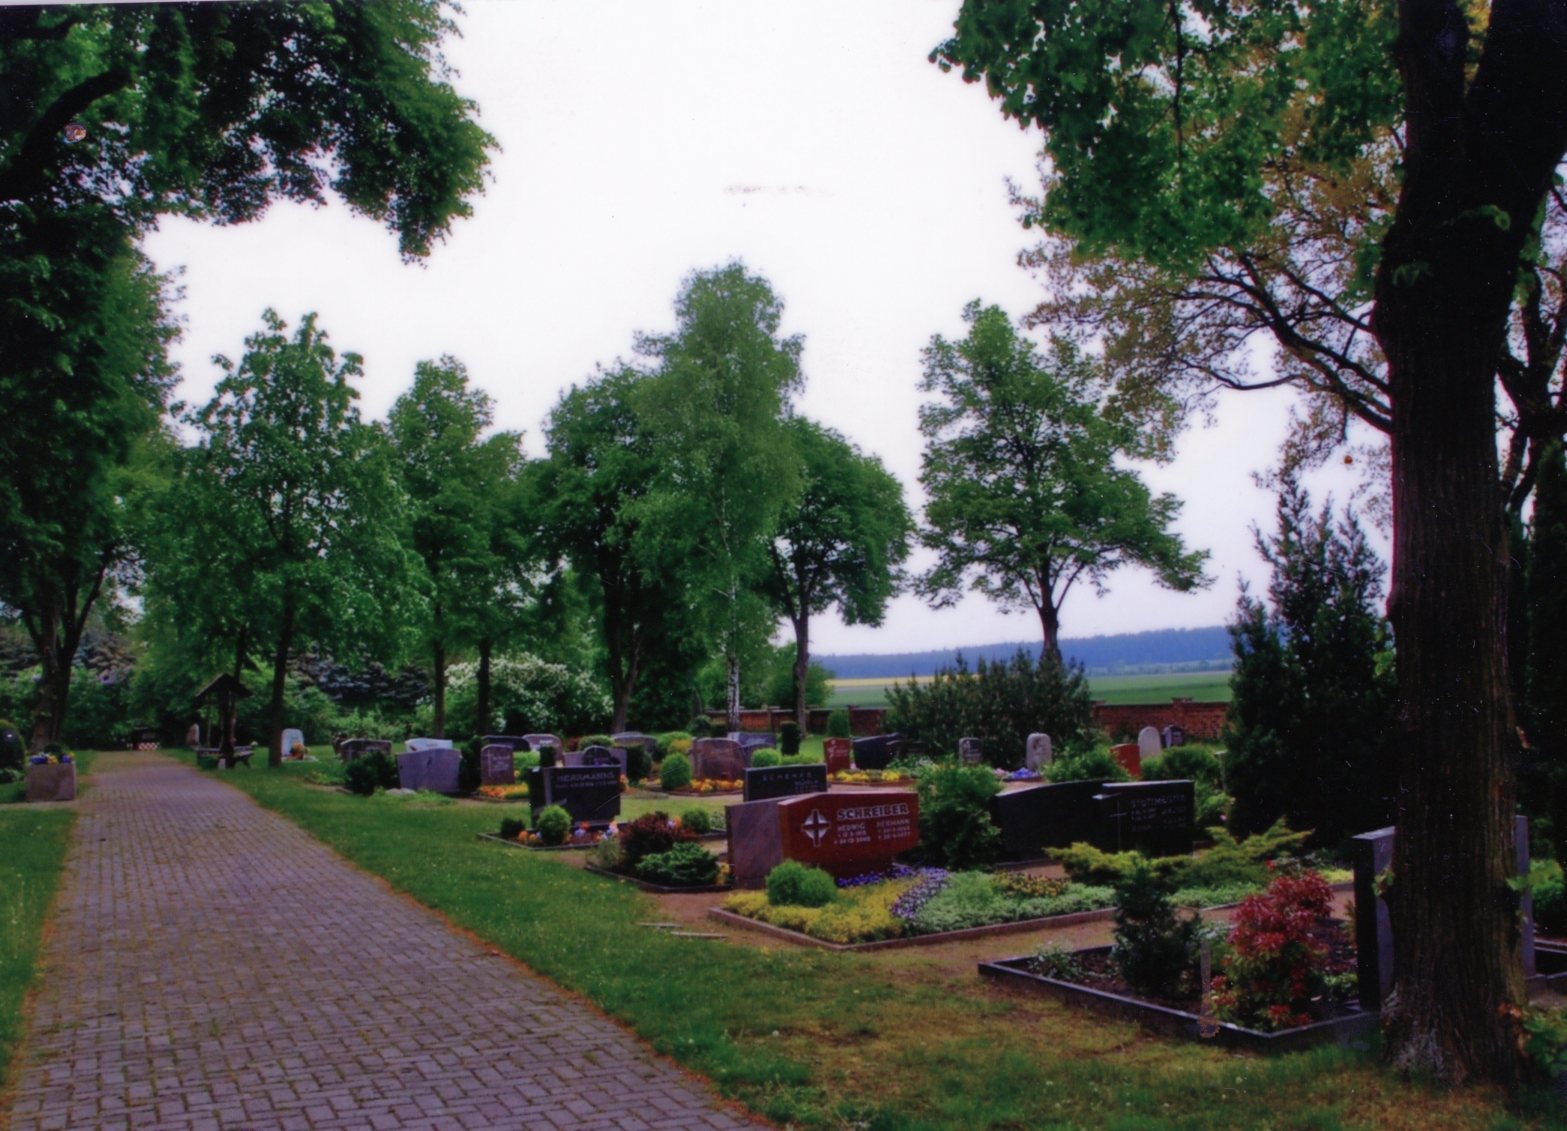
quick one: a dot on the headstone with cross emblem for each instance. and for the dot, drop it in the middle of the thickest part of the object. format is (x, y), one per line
(852, 833)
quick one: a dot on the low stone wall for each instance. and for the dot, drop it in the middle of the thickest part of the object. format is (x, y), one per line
(1201, 721)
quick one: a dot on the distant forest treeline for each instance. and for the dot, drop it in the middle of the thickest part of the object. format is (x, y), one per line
(1170, 649)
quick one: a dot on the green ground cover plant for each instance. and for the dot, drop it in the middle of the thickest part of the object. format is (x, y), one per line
(932, 1050)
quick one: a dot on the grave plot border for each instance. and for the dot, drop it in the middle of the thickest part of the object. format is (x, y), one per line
(498, 839)
(1019, 926)
(1357, 1026)
(657, 889)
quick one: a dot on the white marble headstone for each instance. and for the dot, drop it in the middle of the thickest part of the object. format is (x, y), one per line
(1037, 754)
(1149, 744)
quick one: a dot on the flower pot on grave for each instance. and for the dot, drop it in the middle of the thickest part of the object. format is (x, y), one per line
(52, 781)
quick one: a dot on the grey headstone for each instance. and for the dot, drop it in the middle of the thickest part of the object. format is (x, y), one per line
(427, 744)
(764, 782)
(535, 741)
(753, 741)
(591, 794)
(603, 756)
(513, 741)
(355, 747)
(290, 737)
(435, 770)
(719, 758)
(192, 738)
(970, 752)
(633, 738)
(755, 841)
(1149, 745)
(1173, 735)
(1037, 754)
(497, 765)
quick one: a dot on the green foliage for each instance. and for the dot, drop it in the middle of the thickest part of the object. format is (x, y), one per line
(553, 824)
(1154, 948)
(511, 826)
(789, 739)
(702, 727)
(675, 773)
(553, 698)
(1027, 494)
(588, 740)
(687, 864)
(1544, 1040)
(12, 757)
(1052, 960)
(838, 723)
(1093, 764)
(649, 835)
(674, 742)
(976, 899)
(1184, 763)
(370, 772)
(795, 884)
(999, 703)
(1274, 967)
(697, 821)
(1086, 864)
(1311, 723)
(955, 826)
(1549, 889)
(766, 756)
(639, 763)
(1232, 861)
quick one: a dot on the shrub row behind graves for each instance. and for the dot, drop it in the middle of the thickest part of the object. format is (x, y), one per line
(766, 756)
(955, 826)
(1228, 863)
(674, 742)
(1086, 765)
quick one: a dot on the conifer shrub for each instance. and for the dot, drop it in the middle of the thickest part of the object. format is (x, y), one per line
(789, 738)
(370, 772)
(1155, 949)
(838, 723)
(766, 756)
(553, 824)
(675, 772)
(955, 826)
(686, 864)
(797, 885)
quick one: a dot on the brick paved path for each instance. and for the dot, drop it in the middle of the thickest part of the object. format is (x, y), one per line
(213, 966)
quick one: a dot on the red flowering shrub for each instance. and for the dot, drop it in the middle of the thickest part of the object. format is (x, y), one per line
(649, 835)
(1277, 959)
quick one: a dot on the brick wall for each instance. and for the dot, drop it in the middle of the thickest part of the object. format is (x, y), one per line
(1202, 721)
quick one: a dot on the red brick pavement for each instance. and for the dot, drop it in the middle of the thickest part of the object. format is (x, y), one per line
(212, 966)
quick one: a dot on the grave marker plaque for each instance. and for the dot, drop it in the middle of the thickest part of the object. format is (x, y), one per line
(435, 770)
(604, 756)
(1037, 753)
(849, 833)
(970, 752)
(784, 781)
(1155, 817)
(755, 843)
(514, 741)
(414, 744)
(752, 741)
(1174, 735)
(591, 794)
(839, 753)
(1128, 755)
(875, 752)
(497, 765)
(291, 737)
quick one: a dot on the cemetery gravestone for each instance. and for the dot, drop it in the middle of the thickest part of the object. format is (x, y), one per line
(851, 833)
(970, 752)
(1045, 816)
(192, 739)
(432, 769)
(755, 841)
(591, 794)
(291, 738)
(604, 756)
(355, 747)
(784, 781)
(875, 752)
(1174, 735)
(497, 766)
(720, 759)
(839, 754)
(752, 741)
(1128, 756)
(513, 741)
(13, 751)
(55, 781)
(1155, 818)
(1149, 744)
(539, 741)
(1037, 753)
(427, 744)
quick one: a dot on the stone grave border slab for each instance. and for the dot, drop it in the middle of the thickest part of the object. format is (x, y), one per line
(1357, 1027)
(1020, 926)
(656, 889)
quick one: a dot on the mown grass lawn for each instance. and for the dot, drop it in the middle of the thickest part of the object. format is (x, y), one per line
(820, 1040)
(1205, 687)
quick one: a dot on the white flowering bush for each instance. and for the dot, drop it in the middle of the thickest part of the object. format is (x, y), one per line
(551, 697)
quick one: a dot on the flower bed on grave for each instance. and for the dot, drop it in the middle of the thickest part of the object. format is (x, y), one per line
(870, 777)
(517, 792)
(908, 903)
(700, 787)
(660, 853)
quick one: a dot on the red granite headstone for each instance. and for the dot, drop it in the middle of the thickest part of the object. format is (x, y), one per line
(849, 833)
(839, 753)
(1130, 757)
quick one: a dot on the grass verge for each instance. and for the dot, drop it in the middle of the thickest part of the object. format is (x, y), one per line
(33, 841)
(821, 1040)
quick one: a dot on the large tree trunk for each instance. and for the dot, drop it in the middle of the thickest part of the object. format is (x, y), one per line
(285, 641)
(1050, 628)
(1478, 160)
(802, 670)
(732, 688)
(54, 682)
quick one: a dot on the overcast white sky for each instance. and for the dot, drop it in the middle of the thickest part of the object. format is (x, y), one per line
(640, 142)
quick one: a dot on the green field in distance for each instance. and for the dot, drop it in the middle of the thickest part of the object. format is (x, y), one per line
(1205, 687)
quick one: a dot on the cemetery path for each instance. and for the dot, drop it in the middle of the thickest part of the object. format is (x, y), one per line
(213, 966)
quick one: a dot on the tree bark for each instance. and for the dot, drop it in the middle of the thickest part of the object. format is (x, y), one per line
(483, 711)
(285, 640)
(732, 663)
(802, 669)
(1478, 162)
(1050, 627)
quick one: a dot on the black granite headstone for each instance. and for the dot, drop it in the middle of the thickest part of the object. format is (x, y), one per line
(875, 752)
(1045, 816)
(591, 794)
(1155, 818)
(13, 751)
(766, 782)
(515, 741)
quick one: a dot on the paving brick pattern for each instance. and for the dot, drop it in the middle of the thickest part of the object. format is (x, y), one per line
(212, 966)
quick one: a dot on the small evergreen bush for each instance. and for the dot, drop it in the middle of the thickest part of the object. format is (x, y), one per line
(838, 723)
(685, 865)
(797, 885)
(1154, 948)
(700, 727)
(553, 824)
(370, 772)
(789, 738)
(697, 821)
(1089, 765)
(676, 772)
(1550, 895)
(955, 826)
(766, 756)
(588, 740)
(510, 827)
(1184, 763)
(673, 742)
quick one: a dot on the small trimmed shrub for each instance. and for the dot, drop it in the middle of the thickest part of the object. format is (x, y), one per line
(588, 740)
(800, 760)
(697, 821)
(955, 826)
(553, 824)
(649, 835)
(1276, 965)
(797, 885)
(838, 723)
(674, 742)
(510, 827)
(1092, 765)
(606, 854)
(685, 865)
(789, 738)
(1154, 948)
(370, 772)
(676, 772)
(766, 756)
